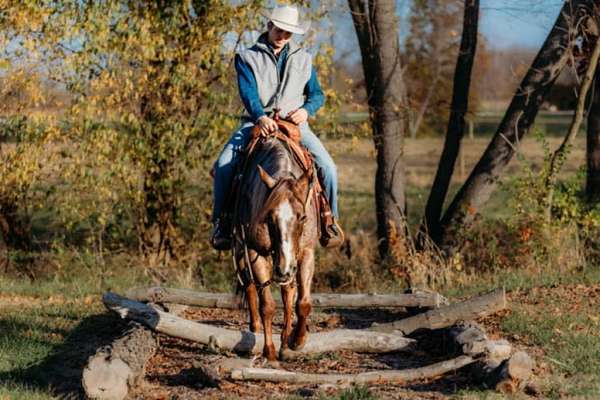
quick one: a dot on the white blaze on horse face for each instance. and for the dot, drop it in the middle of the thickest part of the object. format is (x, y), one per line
(285, 214)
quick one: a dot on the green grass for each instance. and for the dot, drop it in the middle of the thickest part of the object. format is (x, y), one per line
(43, 322)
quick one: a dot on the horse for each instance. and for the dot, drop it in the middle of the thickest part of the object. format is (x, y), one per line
(275, 235)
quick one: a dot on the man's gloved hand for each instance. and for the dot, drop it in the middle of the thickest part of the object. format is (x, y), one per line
(297, 116)
(267, 125)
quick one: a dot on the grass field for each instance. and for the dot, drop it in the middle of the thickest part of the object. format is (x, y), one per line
(48, 326)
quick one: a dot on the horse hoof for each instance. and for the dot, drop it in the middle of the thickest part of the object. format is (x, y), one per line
(286, 354)
(271, 364)
(298, 345)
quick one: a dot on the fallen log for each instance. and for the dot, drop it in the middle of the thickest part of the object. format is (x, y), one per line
(115, 368)
(416, 298)
(374, 377)
(248, 342)
(495, 368)
(448, 315)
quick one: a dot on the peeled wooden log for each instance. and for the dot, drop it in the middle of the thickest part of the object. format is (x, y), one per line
(417, 298)
(448, 315)
(119, 366)
(248, 342)
(374, 377)
(470, 339)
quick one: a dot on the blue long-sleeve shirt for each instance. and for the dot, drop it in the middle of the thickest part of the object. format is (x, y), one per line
(248, 88)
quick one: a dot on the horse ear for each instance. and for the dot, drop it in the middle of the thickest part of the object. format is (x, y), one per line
(266, 178)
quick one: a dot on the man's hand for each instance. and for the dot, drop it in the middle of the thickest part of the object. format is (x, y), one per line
(297, 116)
(267, 125)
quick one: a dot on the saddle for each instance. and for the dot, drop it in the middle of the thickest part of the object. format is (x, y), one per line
(290, 134)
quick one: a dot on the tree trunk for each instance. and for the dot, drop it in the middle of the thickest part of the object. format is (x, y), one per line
(376, 28)
(15, 231)
(114, 369)
(517, 121)
(558, 157)
(456, 123)
(592, 187)
(159, 237)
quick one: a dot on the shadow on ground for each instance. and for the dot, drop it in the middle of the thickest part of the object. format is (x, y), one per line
(61, 372)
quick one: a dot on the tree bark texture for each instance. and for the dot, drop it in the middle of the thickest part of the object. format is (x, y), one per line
(456, 122)
(375, 23)
(449, 315)
(592, 186)
(248, 342)
(517, 121)
(374, 377)
(319, 300)
(114, 369)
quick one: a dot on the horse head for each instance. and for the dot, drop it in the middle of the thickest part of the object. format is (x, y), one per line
(285, 215)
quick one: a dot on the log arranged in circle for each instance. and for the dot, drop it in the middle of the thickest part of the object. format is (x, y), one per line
(417, 298)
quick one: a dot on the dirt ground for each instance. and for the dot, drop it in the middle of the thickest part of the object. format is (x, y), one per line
(173, 372)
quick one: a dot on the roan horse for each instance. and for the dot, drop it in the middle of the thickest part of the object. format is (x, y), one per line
(275, 234)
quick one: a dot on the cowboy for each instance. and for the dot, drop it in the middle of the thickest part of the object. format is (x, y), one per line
(275, 74)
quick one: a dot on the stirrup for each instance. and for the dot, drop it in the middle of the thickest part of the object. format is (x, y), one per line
(332, 236)
(221, 236)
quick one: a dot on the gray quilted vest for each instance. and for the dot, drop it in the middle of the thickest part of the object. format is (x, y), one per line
(287, 94)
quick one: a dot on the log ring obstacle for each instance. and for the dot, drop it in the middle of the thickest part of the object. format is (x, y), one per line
(491, 358)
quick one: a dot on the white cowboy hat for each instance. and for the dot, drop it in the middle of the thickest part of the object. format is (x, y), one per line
(287, 18)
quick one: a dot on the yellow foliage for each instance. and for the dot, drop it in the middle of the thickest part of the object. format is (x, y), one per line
(149, 96)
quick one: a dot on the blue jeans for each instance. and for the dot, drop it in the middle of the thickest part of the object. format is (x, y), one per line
(230, 155)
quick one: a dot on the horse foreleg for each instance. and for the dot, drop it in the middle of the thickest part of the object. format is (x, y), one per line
(250, 289)
(252, 298)
(262, 273)
(304, 302)
(287, 296)
(267, 309)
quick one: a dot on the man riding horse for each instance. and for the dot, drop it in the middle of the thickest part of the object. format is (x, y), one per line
(275, 76)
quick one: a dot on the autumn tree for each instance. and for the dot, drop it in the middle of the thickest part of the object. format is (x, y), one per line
(25, 130)
(150, 94)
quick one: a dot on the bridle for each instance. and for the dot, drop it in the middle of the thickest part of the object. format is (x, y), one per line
(244, 243)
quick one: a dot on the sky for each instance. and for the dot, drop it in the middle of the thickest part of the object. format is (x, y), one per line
(517, 23)
(503, 24)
